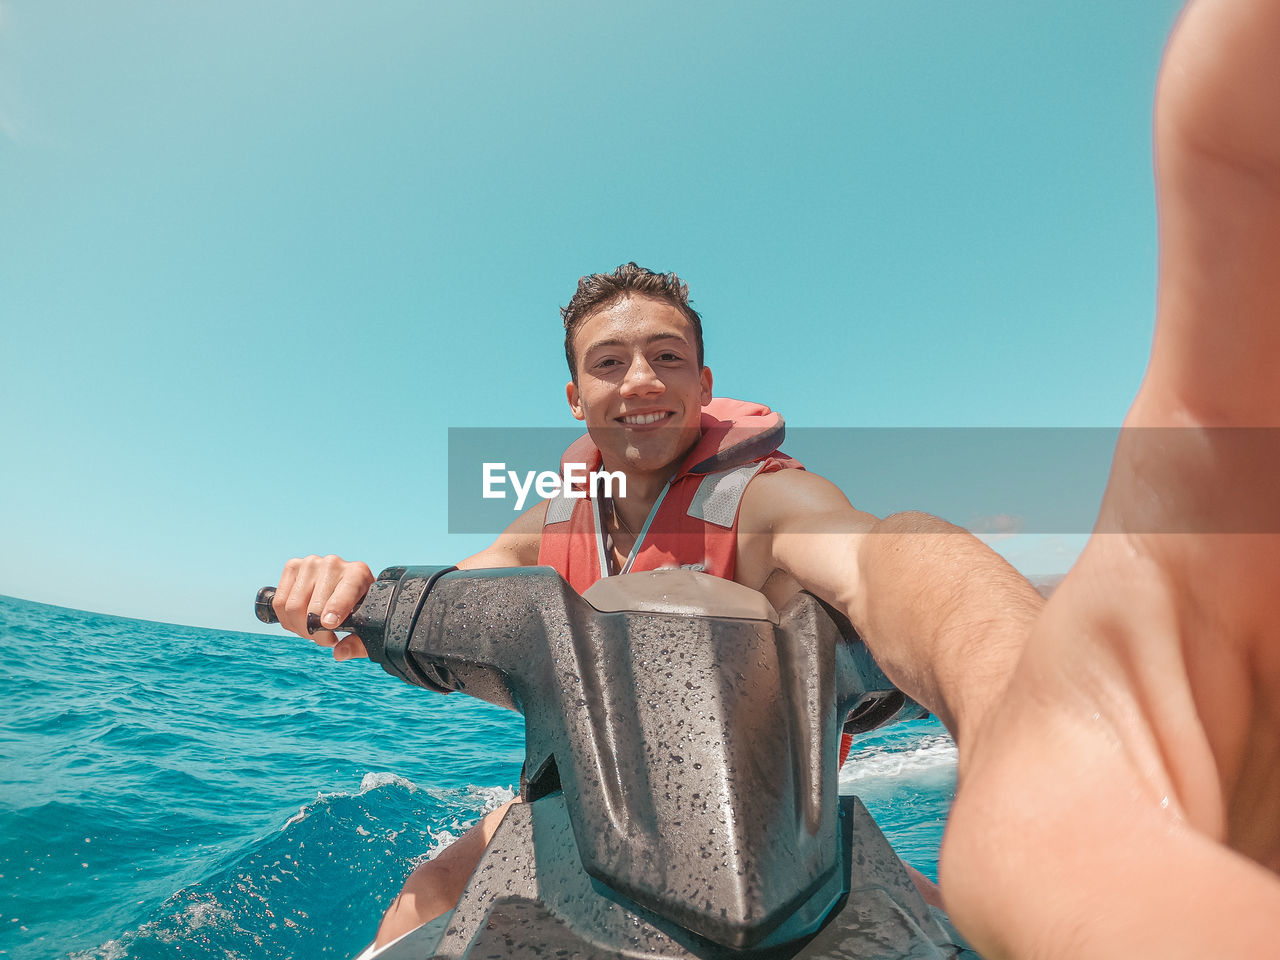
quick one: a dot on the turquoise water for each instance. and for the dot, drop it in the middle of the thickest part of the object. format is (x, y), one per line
(169, 791)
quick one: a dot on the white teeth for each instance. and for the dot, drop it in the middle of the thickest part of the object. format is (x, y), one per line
(644, 418)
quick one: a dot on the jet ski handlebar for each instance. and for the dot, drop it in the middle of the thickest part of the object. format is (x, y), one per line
(519, 602)
(392, 601)
(692, 729)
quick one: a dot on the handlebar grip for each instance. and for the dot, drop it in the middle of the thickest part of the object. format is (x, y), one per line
(375, 614)
(262, 608)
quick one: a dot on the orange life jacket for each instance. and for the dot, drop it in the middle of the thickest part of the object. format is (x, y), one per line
(693, 523)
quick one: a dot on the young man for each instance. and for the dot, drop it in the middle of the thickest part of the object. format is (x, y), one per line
(1133, 767)
(944, 616)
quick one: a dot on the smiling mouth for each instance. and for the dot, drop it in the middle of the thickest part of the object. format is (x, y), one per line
(644, 419)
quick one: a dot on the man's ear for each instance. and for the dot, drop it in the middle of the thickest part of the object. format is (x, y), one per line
(705, 375)
(575, 401)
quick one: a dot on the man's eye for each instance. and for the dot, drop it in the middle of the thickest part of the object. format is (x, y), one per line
(668, 357)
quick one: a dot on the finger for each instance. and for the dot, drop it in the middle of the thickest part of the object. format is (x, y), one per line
(351, 586)
(287, 579)
(294, 616)
(329, 575)
(349, 648)
(325, 638)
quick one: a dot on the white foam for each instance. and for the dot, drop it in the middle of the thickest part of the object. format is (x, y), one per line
(369, 782)
(171, 929)
(493, 797)
(921, 759)
(374, 781)
(490, 799)
(439, 840)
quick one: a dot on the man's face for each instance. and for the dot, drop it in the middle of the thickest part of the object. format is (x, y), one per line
(639, 390)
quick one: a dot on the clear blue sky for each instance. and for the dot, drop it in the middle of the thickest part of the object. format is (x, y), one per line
(255, 259)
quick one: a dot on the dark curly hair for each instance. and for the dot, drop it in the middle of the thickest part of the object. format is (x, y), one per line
(604, 289)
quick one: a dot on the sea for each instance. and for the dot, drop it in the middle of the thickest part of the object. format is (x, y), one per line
(173, 791)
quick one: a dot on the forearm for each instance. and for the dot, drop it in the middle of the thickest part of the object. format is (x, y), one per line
(943, 614)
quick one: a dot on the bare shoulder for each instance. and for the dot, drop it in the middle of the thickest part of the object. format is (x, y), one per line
(781, 521)
(516, 546)
(787, 499)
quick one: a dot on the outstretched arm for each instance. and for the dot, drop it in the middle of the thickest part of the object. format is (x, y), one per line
(943, 614)
(1131, 771)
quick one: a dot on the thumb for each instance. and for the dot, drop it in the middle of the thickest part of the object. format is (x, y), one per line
(349, 648)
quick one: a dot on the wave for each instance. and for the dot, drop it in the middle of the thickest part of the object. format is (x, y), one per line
(906, 775)
(179, 927)
(315, 887)
(925, 757)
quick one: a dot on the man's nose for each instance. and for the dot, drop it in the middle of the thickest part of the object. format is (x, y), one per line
(641, 380)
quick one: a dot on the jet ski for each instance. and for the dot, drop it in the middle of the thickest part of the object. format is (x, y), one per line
(680, 769)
